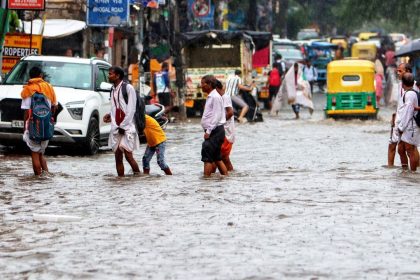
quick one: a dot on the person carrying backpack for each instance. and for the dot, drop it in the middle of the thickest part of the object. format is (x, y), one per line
(39, 102)
(405, 121)
(123, 137)
(311, 74)
(274, 83)
(280, 64)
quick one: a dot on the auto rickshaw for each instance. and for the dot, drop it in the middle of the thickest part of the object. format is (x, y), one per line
(341, 41)
(350, 89)
(367, 35)
(320, 54)
(364, 50)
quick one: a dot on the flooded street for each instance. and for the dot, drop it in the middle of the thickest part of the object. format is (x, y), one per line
(310, 199)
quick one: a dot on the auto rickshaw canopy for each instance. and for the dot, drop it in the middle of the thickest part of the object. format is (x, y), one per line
(364, 50)
(340, 41)
(350, 76)
(367, 35)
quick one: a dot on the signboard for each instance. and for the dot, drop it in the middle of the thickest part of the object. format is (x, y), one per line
(26, 4)
(16, 46)
(107, 13)
(201, 14)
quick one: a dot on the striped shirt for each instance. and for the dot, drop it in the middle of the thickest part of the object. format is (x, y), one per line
(232, 85)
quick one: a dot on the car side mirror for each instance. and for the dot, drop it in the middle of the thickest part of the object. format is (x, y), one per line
(104, 86)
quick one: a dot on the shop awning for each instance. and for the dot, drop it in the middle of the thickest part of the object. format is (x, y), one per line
(54, 28)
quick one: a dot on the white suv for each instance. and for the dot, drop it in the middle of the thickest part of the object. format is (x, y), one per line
(83, 93)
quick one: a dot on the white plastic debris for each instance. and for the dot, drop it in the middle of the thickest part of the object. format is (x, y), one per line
(55, 218)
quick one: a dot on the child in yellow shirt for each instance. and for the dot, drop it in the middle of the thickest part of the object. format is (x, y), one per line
(156, 143)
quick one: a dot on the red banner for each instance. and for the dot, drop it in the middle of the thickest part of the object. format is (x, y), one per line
(26, 4)
(261, 58)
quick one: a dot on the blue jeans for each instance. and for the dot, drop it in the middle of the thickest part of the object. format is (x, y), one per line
(160, 154)
(296, 108)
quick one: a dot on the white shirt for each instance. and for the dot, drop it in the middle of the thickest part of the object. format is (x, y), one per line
(214, 112)
(128, 108)
(310, 73)
(401, 92)
(232, 85)
(129, 141)
(404, 118)
(230, 123)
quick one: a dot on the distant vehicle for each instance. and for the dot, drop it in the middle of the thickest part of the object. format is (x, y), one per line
(281, 44)
(289, 50)
(306, 34)
(341, 41)
(399, 39)
(290, 56)
(382, 41)
(351, 89)
(320, 54)
(83, 93)
(366, 35)
(214, 52)
(82, 89)
(364, 50)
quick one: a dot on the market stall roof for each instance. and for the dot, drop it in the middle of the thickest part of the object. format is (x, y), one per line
(211, 37)
(261, 39)
(54, 28)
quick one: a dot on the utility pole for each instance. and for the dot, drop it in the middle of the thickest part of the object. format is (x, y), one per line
(179, 61)
(280, 11)
(140, 18)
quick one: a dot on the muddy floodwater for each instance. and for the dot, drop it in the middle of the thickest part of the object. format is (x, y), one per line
(310, 199)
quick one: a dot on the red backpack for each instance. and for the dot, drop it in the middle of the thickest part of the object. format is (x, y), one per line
(274, 79)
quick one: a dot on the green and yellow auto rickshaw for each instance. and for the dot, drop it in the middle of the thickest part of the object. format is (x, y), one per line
(351, 89)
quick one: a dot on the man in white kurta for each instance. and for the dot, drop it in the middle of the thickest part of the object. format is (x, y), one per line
(123, 138)
(408, 130)
(395, 136)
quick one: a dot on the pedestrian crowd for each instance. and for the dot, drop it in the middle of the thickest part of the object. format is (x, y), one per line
(217, 119)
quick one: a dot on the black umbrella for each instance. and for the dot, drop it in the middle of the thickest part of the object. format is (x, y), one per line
(410, 48)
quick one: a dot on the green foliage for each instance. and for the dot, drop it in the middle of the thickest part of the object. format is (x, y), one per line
(348, 15)
(13, 21)
(389, 14)
(297, 18)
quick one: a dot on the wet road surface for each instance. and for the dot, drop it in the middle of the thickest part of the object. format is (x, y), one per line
(310, 199)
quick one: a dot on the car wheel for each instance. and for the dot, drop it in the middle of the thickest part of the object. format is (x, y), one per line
(92, 137)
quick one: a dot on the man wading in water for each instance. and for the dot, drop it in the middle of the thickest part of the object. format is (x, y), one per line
(123, 137)
(212, 122)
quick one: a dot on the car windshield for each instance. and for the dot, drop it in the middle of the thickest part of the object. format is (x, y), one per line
(304, 35)
(290, 54)
(58, 74)
(285, 46)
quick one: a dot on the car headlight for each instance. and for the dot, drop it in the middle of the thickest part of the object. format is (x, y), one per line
(76, 109)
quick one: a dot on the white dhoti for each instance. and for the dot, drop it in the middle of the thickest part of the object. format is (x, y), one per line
(129, 141)
(34, 146)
